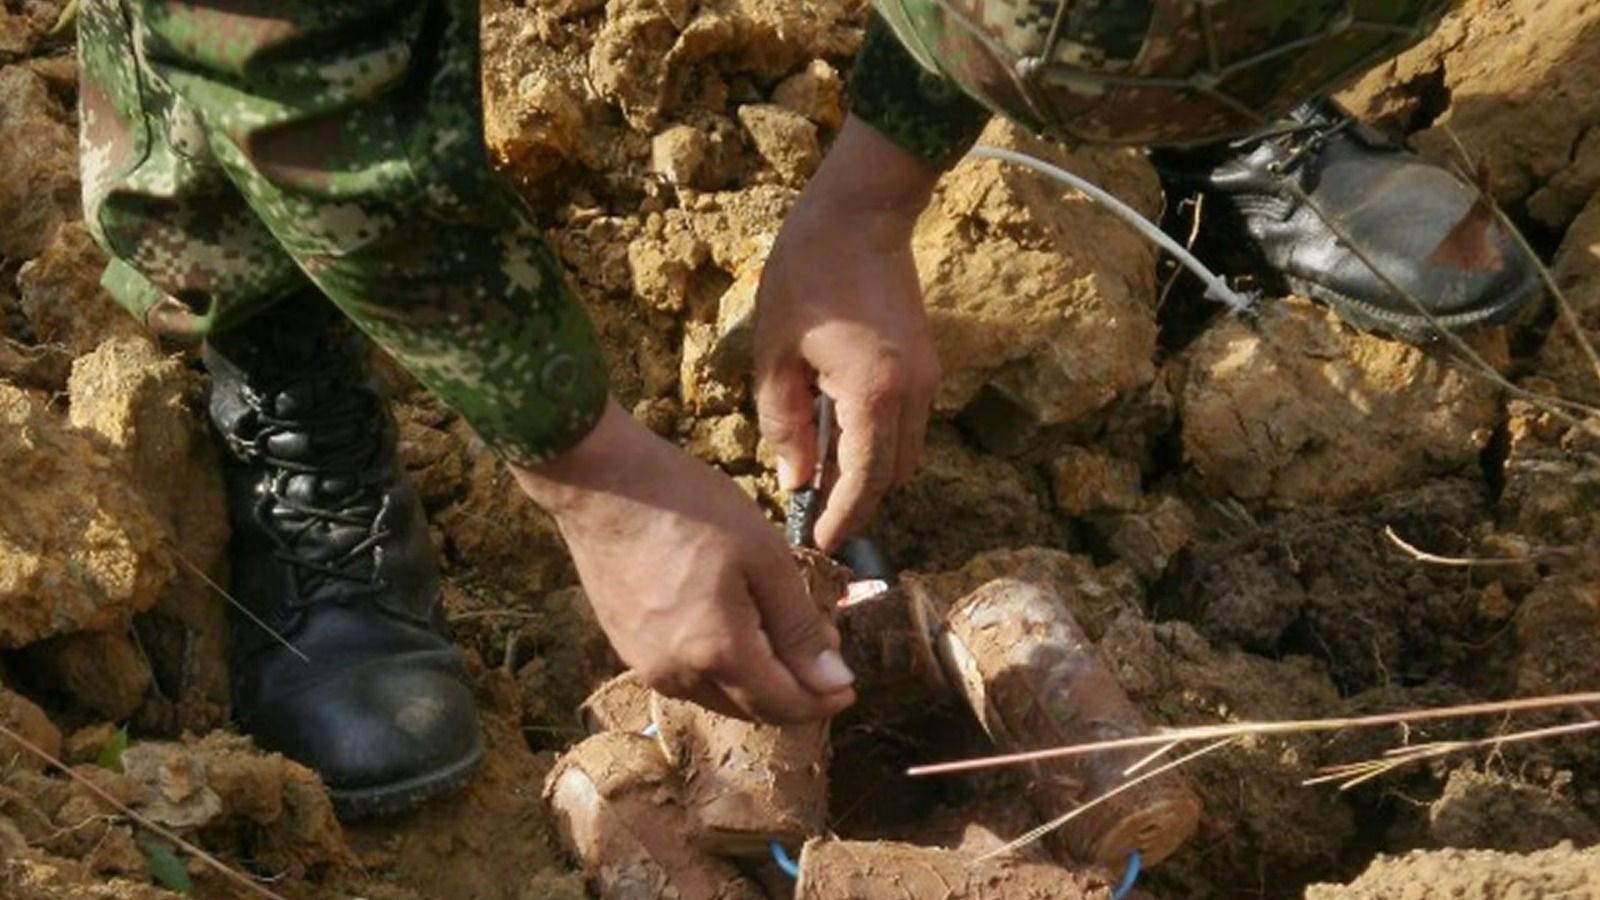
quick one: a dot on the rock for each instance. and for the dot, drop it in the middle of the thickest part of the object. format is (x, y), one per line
(1085, 480)
(649, 56)
(725, 440)
(101, 670)
(25, 26)
(665, 260)
(628, 62)
(1148, 541)
(62, 297)
(1560, 871)
(817, 93)
(223, 781)
(537, 125)
(678, 154)
(41, 368)
(1300, 410)
(86, 554)
(1555, 627)
(177, 794)
(138, 405)
(1020, 304)
(1483, 811)
(19, 714)
(785, 139)
(38, 164)
(1551, 480)
(1563, 359)
(707, 385)
(1523, 82)
(960, 503)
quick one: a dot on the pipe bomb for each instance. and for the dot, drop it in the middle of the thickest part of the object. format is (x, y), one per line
(1035, 681)
(745, 785)
(620, 704)
(616, 806)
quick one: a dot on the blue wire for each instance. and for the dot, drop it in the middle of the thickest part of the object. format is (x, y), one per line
(1128, 879)
(781, 857)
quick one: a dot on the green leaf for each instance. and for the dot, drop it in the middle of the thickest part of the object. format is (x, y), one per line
(111, 754)
(165, 866)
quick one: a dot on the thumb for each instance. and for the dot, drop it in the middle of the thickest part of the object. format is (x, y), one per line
(800, 634)
(785, 407)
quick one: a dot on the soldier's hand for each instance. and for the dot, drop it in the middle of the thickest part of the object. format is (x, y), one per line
(839, 310)
(694, 587)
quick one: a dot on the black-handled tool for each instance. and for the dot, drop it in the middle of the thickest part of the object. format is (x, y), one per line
(806, 502)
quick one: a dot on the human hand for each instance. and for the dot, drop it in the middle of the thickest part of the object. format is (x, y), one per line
(839, 310)
(694, 587)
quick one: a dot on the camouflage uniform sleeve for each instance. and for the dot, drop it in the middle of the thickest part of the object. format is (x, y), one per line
(920, 111)
(233, 150)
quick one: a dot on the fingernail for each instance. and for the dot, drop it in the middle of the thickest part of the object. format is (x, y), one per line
(788, 475)
(832, 671)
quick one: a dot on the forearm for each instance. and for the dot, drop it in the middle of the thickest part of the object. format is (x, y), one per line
(595, 468)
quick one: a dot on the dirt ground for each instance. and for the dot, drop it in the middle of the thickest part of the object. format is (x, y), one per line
(1212, 495)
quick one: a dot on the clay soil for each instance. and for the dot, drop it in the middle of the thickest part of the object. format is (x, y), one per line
(1211, 496)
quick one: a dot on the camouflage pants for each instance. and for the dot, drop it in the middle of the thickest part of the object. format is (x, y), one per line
(239, 151)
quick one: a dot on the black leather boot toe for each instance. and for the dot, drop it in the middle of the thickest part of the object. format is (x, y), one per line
(1298, 193)
(340, 659)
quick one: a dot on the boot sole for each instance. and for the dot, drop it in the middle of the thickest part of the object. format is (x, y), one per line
(1410, 327)
(402, 796)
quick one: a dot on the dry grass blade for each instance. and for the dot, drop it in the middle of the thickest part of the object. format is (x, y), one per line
(1057, 822)
(200, 573)
(1248, 729)
(232, 875)
(1147, 760)
(1568, 315)
(1351, 774)
(1458, 561)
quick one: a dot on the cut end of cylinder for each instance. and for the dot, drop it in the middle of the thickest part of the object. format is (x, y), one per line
(1158, 829)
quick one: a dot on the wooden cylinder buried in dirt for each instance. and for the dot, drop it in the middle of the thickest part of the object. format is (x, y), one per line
(881, 870)
(1035, 681)
(886, 641)
(614, 797)
(745, 784)
(620, 704)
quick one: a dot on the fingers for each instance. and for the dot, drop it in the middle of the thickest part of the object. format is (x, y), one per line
(785, 407)
(745, 679)
(868, 442)
(913, 432)
(797, 631)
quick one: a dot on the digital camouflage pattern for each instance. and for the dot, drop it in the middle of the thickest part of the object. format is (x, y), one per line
(920, 110)
(1150, 72)
(234, 149)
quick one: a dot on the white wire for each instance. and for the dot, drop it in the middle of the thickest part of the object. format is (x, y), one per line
(1216, 288)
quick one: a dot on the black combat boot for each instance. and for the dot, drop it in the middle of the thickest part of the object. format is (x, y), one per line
(341, 661)
(1297, 192)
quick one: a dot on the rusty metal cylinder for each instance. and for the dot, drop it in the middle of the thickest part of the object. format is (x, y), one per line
(746, 784)
(885, 870)
(886, 640)
(622, 703)
(1035, 681)
(615, 802)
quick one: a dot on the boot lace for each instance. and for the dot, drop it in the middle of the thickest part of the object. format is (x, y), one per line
(1297, 139)
(325, 512)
